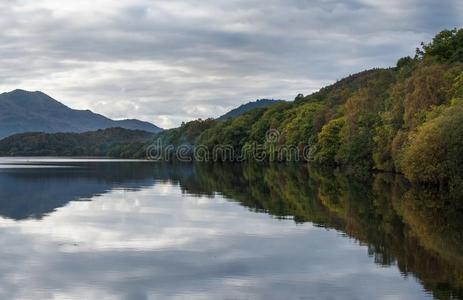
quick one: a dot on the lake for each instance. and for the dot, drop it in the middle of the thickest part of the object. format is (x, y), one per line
(105, 229)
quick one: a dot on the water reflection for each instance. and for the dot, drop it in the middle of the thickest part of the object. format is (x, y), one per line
(138, 230)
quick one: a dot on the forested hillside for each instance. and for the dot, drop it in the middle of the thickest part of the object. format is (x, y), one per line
(406, 119)
(116, 142)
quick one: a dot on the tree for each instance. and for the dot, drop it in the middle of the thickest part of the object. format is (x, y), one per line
(447, 46)
(405, 61)
(434, 153)
(329, 142)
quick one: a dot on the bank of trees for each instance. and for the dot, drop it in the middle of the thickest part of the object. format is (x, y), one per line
(407, 119)
(115, 142)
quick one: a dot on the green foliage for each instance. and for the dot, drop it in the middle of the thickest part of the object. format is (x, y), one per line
(297, 128)
(113, 142)
(272, 118)
(457, 88)
(300, 122)
(427, 87)
(187, 133)
(447, 46)
(329, 142)
(362, 113)
(384, 119)
(382, 153)
(367, 120)
(233, 132)
(128, 150)
(405, 62)
(434, 153)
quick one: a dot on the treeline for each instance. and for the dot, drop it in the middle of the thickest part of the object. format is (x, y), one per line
(112, 142)
(407, 119)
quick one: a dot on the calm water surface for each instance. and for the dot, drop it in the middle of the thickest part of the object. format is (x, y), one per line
(80, 229)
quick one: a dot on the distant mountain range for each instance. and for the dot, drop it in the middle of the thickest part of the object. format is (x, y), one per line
(247, 107)
(22, 111)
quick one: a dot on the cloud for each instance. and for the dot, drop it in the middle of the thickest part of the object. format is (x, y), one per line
(169, 61)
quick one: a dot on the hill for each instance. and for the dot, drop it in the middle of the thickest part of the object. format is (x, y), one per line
(22, 111)
(102, 142)
(407, 119)
(247, 107)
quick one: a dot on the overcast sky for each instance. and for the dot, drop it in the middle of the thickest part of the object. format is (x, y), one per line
(169, 61)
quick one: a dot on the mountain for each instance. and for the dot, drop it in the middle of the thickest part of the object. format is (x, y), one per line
(102, 142)
(247, 107)
(23, 111)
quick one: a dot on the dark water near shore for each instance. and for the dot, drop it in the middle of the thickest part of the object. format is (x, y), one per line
(77, 229)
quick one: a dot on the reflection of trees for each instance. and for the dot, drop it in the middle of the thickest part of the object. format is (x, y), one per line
(36, 192)
(434, 220)
(417, 229)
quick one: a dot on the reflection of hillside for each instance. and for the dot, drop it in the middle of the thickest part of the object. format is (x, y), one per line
(417, 229)
(33, 193)
(435, 221)
(410, 227)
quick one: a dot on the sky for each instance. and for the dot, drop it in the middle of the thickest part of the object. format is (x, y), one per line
(168, 61)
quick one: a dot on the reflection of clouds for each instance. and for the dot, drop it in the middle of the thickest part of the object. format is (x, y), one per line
(143, 220)
(158, 243)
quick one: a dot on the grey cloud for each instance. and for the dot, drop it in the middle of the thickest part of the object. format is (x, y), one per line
(203, 57)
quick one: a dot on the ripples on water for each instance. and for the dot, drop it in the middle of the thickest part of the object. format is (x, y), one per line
(139, 230)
